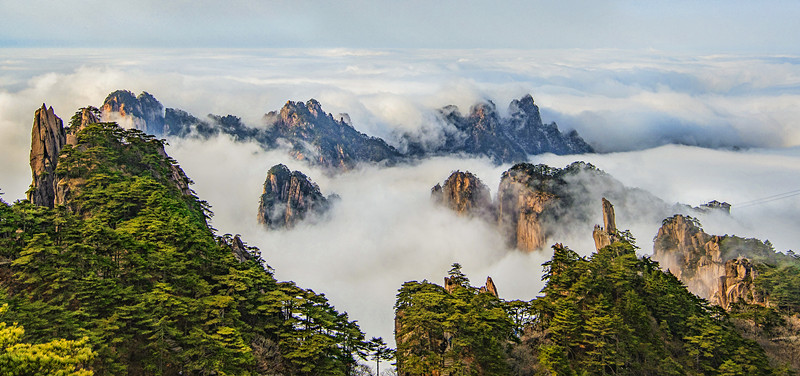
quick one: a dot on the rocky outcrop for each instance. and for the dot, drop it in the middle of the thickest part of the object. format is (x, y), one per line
(288, 198)
(143, 112)
(239, 250)
(484, 132)
(606, 235)
(713, 267)
(534, 201)
(525, 194)
(47, 139)
(317, 137)
(465, 194)
(736, 284)
(489, 287)
(80, 120)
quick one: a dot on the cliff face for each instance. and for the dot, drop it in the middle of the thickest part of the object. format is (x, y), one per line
(464, 193)
(288, 198)
(525, 195)
(534, 201)
(322, 140)
(710, 266)
(47, 139)
(142, 112)
(606, 235)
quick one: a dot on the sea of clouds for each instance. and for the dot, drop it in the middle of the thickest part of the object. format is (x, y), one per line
(654, 117)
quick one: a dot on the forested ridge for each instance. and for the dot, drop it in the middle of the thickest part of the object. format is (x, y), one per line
(125, 276)
(611, 313)
(130, 271)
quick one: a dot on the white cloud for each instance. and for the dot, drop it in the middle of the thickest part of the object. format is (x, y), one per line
(384, 231)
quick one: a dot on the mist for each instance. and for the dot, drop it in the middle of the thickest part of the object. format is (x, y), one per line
(619, 100)
(385, 230)
(633, 105)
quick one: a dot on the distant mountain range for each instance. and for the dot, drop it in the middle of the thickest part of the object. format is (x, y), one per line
(311, 134)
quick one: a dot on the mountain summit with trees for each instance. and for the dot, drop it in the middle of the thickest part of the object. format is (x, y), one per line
(111, 264)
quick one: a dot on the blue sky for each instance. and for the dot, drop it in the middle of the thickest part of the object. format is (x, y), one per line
(766, 27)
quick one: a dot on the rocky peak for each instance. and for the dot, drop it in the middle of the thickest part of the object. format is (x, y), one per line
(524, 107)
(715, 205)
(705, 263)
(464, 193)
(606, 235)
(737, 284)
(483, 110)
(525, 193)
(144, 112)
(450, 285)
(239, 250)
(288, 198)
(294, 114)
(489, 287)
(48, 137)
(80, 120)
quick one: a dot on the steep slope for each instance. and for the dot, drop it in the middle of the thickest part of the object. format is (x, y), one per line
(537, 202)
(483, 132)
(288, 198)
(143, 112)
(464, 193)
(129, 262)
(609, 313)
(312, 135)
(323, 140)
(718, 268)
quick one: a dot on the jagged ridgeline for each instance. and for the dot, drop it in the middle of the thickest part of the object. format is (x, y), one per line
(112, 246)
(310, 134)
(535, 203)
(609, 313)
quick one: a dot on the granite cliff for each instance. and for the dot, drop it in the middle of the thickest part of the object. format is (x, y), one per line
(47, 139)
(464, 193)
(536, 202)
(484, 132)
(310, 134)
(717, 268)
(143, 112)
(51, 143)
(288, 198)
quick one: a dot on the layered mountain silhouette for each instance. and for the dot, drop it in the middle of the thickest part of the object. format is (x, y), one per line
(310, 134)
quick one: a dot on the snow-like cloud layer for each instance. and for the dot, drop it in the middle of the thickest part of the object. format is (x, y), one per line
(385, 230)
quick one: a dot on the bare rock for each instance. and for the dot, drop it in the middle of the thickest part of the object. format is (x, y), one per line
(489, 287)
(48, 137)
(143, 112)
(525, 193)
(712, 267)
(736, 285)
(606, 235)
(465, 194)
(288, 198)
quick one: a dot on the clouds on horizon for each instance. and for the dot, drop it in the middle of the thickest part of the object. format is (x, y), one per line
(618, 100)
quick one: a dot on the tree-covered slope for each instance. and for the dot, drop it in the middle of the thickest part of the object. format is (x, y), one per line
(130, 263)
(611, 313)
